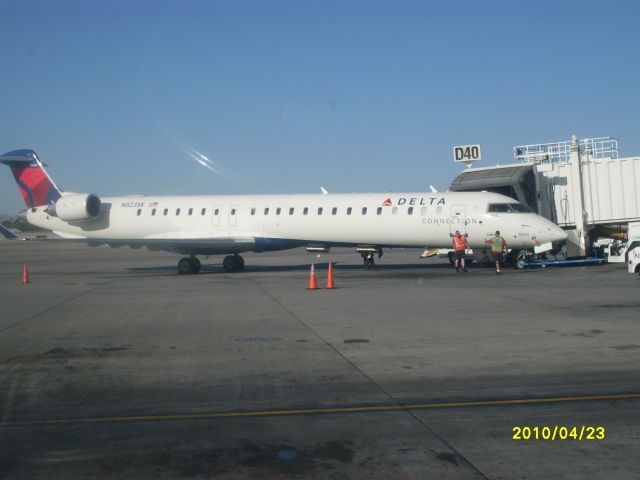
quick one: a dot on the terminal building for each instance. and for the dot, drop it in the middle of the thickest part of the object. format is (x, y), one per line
(581, 185)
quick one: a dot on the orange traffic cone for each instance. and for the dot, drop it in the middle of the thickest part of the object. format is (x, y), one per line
(330, 277)
(313, 285)
(25, 274)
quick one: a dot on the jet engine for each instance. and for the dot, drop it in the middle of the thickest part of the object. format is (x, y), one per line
(76, 207)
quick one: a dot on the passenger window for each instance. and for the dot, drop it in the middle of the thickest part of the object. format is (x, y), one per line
(423, 211)
(291, 210)
(319, 210)
(216, 211)
(191, 211)
(233, 211)
(278, 210)
(153, 212)
(139, 211)
(364, 210)
(349, 211)
(203, 211)
(305, 211)
(334, 210)
(266, 211)
(379, 211)
(253, 211)
(394, 211)
(410, 211)
(177, 211)
(439, 211)
(166, 211)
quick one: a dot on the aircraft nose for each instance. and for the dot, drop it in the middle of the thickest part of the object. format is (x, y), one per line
(556, 234)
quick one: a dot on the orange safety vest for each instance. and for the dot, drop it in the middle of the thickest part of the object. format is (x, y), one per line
(459, 242)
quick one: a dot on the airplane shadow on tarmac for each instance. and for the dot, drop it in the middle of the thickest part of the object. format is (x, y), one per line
(215, 269)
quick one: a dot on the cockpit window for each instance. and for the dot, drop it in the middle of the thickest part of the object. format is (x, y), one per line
(508, 208)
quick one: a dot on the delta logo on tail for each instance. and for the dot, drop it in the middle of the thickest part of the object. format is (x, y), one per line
(33, 182)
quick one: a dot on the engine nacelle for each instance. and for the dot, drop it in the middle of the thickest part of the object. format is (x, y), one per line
(76, 207)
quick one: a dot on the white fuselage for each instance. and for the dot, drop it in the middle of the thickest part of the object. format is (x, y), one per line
(236, 223)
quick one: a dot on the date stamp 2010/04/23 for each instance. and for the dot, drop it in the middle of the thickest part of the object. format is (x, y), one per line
(559, 432)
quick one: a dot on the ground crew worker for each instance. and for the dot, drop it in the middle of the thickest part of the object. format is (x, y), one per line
(460, 245)
(498, 248)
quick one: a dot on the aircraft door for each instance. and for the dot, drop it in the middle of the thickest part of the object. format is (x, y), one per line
(233, 215)
(458, 218)
(216, 214)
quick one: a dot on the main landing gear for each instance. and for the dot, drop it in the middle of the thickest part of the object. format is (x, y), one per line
(233, 263)
(189, 265)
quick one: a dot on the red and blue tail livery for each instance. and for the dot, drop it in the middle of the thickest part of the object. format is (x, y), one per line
(35, 185)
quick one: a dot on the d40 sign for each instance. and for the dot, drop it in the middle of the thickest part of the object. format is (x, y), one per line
(466, 153)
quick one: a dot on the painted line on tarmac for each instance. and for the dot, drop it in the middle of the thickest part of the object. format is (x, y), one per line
(319, 411)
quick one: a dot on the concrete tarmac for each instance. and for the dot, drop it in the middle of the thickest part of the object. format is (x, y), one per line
(114, 366)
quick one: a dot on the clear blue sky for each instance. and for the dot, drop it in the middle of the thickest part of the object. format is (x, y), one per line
(286, 96)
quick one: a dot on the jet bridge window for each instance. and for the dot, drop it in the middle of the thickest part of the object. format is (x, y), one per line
(508, 208)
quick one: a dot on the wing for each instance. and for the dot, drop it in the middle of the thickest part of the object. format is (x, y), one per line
(183, 246)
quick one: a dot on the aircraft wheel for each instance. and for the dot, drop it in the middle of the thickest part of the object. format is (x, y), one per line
(229, 263)
(239, 262)
(184, 266)
(195, 265)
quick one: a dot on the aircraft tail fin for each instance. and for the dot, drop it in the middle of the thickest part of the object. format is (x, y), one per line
(35, 185)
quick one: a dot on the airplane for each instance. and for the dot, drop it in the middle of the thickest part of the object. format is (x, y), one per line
(8, 234)
(232, 224)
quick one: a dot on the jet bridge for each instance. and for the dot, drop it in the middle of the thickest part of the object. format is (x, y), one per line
(581, 185)
(513, 181)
